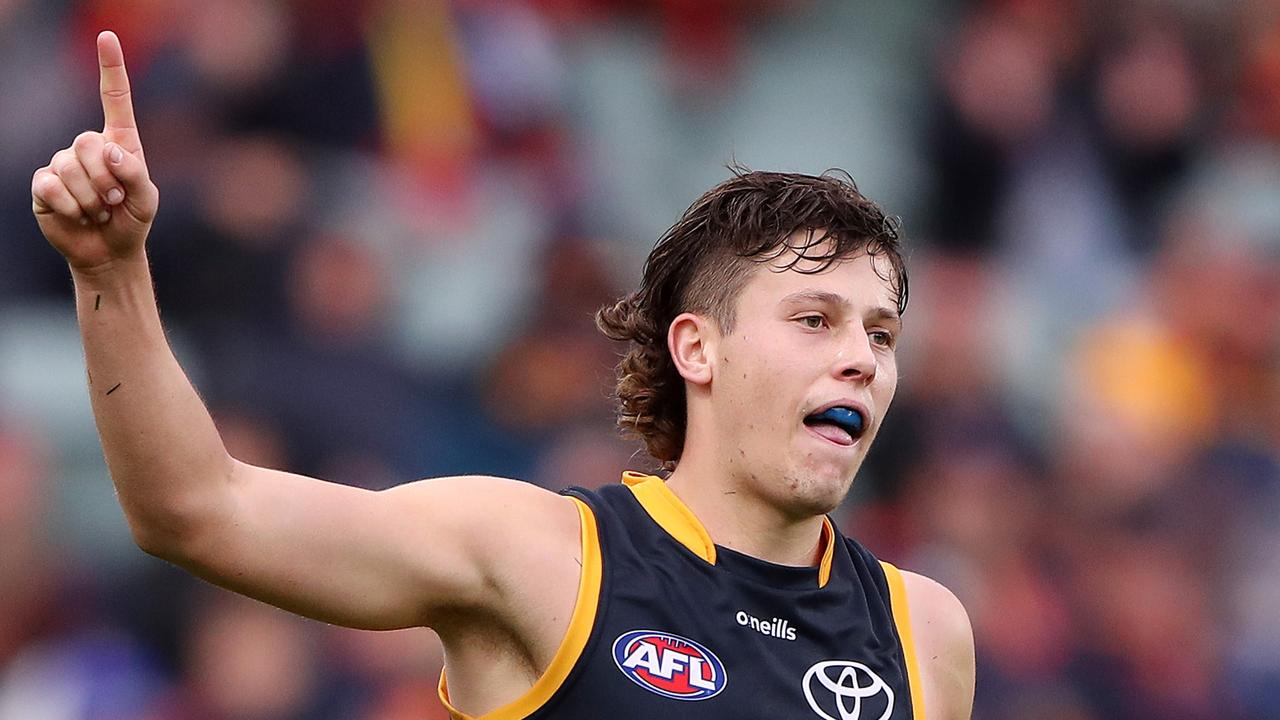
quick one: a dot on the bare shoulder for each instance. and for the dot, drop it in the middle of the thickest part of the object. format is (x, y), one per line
(937, 614)
(944, 646)
(493, 496)
(499, 517)
(528, 545)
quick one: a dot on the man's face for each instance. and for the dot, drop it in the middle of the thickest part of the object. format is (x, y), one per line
(802, 343)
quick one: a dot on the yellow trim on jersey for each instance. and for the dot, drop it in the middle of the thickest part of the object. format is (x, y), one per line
(575, 638)
(671, 513)
(828, 541)
(902, 619)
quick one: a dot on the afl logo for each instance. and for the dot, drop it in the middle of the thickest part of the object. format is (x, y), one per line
(669, 665)
(848, 689)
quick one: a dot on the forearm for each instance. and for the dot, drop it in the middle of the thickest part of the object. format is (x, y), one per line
(164, 454)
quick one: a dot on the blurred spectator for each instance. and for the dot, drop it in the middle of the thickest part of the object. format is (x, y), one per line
(245, 661)
(59, 658)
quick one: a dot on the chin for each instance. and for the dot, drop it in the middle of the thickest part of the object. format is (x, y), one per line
(817, 492)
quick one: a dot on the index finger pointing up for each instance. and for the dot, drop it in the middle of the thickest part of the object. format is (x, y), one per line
(117, 104)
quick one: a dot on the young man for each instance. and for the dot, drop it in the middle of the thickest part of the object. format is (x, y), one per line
(762, 364)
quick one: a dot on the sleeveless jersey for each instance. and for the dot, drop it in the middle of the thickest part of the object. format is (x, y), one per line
(670, 626)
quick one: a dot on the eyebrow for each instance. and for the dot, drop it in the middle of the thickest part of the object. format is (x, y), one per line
(879, 312)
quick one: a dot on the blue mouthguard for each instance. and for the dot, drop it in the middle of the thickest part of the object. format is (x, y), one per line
(848, 419)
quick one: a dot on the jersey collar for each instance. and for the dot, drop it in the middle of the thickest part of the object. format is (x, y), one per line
(670, 512)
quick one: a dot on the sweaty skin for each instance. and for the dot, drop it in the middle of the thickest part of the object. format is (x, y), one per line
(492, 565)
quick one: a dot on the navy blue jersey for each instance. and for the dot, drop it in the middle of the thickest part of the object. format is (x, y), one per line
(669, 625)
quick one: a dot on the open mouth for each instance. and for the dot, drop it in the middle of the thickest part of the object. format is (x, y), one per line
(840, 424)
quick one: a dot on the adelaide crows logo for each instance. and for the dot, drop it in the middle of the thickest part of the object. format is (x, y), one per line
(669, 665)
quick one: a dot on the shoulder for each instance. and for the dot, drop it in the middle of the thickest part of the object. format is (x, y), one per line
(529, 548)
(495, 522)
(937, 612)
(474, 497)
(943, 638)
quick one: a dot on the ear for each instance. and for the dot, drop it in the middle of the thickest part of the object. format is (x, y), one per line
(691, 339)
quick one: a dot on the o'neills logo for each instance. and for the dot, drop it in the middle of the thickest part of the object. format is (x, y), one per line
(776, 627)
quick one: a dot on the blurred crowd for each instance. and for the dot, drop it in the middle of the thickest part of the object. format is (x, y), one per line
(385, 226)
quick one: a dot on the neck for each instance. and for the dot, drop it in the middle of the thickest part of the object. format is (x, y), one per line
(737, 519)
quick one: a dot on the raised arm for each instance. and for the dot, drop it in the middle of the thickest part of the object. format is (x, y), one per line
(365, 559)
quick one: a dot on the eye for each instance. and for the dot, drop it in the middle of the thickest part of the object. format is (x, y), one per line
(813, 322)
(883, 338)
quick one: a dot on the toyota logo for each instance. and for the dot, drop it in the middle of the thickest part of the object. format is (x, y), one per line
(842, 686)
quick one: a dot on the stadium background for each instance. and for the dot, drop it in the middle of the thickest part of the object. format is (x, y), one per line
(385, 224)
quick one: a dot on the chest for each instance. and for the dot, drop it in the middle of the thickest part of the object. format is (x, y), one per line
(676, 637)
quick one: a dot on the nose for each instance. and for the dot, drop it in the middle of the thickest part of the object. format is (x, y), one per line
(856, 359)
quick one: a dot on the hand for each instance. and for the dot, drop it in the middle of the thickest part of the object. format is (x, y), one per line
(95, 200)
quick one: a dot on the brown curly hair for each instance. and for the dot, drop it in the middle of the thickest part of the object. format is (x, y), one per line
(703, 261)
